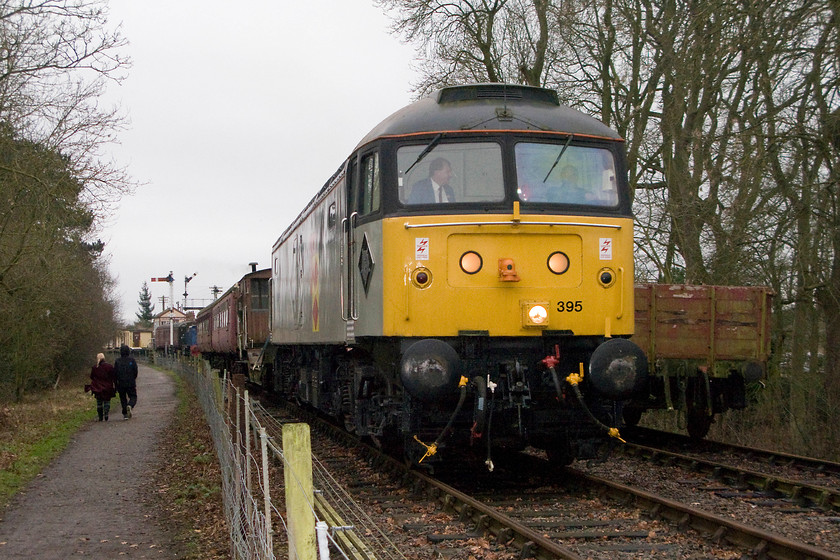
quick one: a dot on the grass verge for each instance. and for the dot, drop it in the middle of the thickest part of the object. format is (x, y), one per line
(189, 482)
(187, 479)
(33, 432)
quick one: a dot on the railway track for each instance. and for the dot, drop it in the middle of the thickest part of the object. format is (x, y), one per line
(527, 511)
(667, 441)
(788, 495)
(804, 491)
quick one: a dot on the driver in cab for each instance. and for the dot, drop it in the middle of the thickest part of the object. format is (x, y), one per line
(435, 188)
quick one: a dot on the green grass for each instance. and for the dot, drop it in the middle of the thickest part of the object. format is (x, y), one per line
(37, 430)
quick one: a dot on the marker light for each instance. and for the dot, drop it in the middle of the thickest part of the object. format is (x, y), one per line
(421, 277)
(606, 277)
(558, 262)
(471, 262)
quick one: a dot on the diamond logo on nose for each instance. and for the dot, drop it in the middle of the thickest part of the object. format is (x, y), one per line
(365, 264)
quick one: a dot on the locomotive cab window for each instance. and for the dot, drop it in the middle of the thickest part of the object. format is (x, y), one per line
(450, 173)
(566, 174)
(370, 191)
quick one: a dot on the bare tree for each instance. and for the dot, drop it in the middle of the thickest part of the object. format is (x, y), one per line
(730, 113)
(479, 41)
(56, 56)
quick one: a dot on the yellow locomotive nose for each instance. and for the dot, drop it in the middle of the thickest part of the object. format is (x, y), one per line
(507, 271)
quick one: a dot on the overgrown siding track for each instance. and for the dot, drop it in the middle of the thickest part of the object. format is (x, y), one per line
(792, 496)
(528, 511)
(667, 441)
(806, 482)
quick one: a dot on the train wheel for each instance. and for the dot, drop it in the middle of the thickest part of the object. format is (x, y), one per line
(698, 422)
(631, 415)
(348, 401)
(560, 454)
(698, 416)
(348, 422)
(348, 417)
(390, 442)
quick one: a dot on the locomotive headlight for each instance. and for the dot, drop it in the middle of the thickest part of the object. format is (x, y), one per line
(558, 262)
(538, 315)
(535, 313)
(471, 262)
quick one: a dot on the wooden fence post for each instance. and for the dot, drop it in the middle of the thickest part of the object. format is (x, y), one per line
(248, 485)
(297, 475)
(269, 531)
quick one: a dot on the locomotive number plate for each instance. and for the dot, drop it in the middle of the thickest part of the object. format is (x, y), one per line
(570, 306)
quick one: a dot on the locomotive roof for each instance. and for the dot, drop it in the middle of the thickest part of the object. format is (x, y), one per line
(489, 107)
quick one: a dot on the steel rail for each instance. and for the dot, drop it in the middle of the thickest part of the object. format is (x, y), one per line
(821, 496)
(757, 541)
(638, 434)
(533, 545)
(505, 529)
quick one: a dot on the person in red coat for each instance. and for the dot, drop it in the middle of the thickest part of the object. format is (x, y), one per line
(102, 379)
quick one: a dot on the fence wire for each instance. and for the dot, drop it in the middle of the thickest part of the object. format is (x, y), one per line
(253, 484)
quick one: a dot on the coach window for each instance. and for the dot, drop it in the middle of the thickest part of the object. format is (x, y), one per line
(259, 293)
(370, 192)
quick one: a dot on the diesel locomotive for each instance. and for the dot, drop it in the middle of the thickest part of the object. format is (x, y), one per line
(465, 280)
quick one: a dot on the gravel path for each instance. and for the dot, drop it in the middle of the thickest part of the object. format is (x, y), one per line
(92, 500)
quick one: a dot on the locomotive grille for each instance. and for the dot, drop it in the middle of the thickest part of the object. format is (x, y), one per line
(498, 91)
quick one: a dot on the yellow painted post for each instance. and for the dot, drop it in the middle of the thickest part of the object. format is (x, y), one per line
(297, 475)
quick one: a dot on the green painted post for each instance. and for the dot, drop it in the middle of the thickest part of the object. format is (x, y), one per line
(300, 498)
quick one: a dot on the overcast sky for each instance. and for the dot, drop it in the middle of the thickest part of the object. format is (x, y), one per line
(238, 114)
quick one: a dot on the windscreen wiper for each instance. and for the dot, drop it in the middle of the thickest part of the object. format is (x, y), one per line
(556, 161)
(425, 152)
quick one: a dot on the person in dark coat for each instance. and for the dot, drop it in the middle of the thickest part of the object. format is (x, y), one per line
(102, 379)
(436, 187)
(126, 372)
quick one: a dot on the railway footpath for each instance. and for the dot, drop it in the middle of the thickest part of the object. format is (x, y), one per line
(94, 500)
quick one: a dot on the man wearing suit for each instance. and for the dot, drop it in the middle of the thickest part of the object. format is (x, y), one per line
(436, 187)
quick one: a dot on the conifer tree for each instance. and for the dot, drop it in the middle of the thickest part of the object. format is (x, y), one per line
(144, 316)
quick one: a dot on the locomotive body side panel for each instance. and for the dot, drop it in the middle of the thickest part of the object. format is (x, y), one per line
(306, 275)
(368, 266)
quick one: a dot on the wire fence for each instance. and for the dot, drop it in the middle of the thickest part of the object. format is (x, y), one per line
(256, 476)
